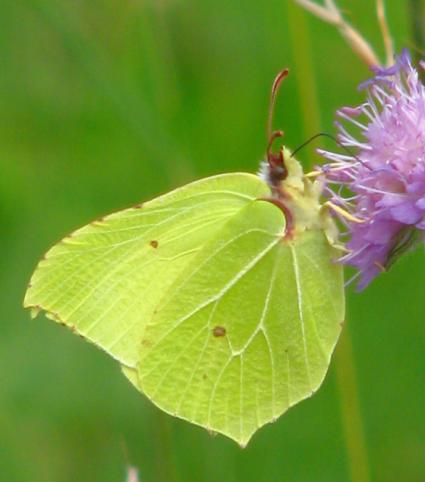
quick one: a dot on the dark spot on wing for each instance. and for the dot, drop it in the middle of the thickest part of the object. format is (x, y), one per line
(154, 243)
(219, 331)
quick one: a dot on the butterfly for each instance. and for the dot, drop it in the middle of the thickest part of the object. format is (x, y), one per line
(220, 300)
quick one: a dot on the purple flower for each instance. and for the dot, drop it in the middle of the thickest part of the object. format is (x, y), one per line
(380, 186)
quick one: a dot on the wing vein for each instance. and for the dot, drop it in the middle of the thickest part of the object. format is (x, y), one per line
(300, 308)
(226, 288)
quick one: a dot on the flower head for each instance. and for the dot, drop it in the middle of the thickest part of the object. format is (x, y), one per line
(385, 174)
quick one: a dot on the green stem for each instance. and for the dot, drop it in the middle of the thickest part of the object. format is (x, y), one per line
(417, 25)
(345, 367)
(166, 463)
(350, 410)
(304, 72)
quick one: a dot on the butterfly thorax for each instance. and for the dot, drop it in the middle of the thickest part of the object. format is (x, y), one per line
(298, 196)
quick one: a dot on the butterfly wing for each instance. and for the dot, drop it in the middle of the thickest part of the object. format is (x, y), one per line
(104, 280)
(247, 329)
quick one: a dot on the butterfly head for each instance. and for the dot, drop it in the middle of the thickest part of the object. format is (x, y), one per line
(298, 196)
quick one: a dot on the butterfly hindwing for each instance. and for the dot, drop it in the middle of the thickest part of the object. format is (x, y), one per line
(248, 327)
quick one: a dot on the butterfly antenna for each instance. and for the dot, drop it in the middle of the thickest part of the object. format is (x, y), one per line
(337, 142)
(271, 136)
(312, 138)
(277, 171)
(276, 161)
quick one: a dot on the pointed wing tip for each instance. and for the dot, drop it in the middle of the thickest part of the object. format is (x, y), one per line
(243, 444)
(34, 311)
(241, 441)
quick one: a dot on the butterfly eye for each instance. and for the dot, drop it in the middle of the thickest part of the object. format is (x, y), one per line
(277, 174)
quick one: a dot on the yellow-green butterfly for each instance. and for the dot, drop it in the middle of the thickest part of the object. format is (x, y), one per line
(220, 299)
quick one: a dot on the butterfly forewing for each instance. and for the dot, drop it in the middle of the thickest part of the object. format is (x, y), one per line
(105, 280)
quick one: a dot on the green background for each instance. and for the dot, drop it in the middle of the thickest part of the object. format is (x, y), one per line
(107, 103)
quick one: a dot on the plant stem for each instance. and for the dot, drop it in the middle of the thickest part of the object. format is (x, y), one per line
(417, 25)
(350, 410)
(166, 463)
(345, 367)
(304, 72)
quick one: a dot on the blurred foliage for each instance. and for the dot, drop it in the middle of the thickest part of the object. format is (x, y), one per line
(107, 103)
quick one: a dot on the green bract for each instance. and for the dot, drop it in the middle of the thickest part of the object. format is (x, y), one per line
(215, 312)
